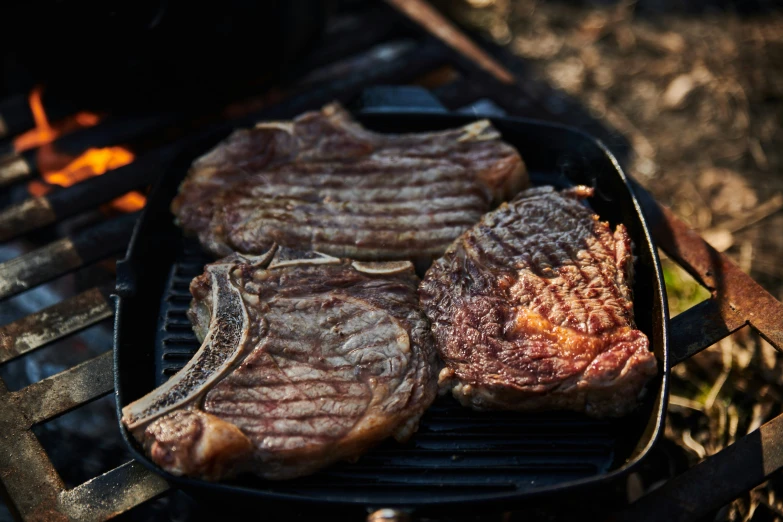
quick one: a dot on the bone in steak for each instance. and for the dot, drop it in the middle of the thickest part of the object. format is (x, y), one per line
(325, 183)
(532, 309)
(306, 359)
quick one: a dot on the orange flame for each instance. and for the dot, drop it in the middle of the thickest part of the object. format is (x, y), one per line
(44, 132)
(93, 162)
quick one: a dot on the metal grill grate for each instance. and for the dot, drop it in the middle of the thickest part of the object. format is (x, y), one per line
(33, 486)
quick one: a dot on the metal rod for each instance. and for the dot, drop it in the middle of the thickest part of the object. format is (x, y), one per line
(26, 472)
(114, 183)
(38, 266)
(66, 390)
(55, 322)
(737, 300)
(739, 297)
(14, 168)
(100, 499)
(113, 131)
(716, 481)
(23, 217)
(699, 327)
(39, 212)
(65, 255)
(435, 23)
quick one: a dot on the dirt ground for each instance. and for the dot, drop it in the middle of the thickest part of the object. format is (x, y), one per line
(699, 95)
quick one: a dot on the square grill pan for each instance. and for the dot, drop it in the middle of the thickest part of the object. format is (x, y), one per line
(458, 456)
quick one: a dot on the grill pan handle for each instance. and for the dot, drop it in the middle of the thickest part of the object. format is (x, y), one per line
(394, 98)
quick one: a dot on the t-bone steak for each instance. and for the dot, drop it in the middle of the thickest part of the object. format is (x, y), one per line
(532, 310)
(323, 182)
(306, 360)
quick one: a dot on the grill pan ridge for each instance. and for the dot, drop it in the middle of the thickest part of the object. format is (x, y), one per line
(458, 456)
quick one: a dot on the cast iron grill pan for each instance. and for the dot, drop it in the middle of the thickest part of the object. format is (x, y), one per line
(453, 447)
(457, 455)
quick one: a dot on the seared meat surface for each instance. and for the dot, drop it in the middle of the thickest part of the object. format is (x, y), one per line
(325, 183)
(532, 309)
(306, 360)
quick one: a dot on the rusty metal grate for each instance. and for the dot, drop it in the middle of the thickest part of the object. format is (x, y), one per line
(459, 74)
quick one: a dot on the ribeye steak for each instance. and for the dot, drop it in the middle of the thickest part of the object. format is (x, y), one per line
(306, 359)
(532, 309)
(325, 183)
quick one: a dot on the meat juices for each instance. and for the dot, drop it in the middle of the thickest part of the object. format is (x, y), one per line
(323, 182)
(532, 309)
(306, 360)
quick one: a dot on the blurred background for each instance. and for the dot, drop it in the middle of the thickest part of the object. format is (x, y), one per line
(691, 92)
(696, 87)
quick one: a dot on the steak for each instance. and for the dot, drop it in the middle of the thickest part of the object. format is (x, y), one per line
(306, 360)
(532, 309)
(323, 182)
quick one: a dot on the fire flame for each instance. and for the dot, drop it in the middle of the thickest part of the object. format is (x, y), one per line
(44, 132)
(94, 162)
(91, 163)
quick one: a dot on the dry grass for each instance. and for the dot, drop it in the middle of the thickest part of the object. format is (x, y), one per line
(700, 98)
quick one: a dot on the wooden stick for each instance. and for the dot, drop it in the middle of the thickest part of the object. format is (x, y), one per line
(435, 23)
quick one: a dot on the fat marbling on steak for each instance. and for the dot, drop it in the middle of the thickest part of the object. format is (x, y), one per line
(306, 360)
(325, 183)
(532, 309)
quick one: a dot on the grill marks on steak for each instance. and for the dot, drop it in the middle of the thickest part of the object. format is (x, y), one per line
(230, 335)
(342, 359)
(324, 182)
(532, 309)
